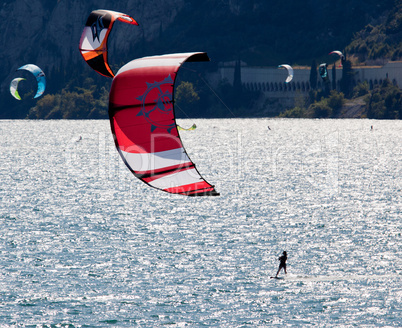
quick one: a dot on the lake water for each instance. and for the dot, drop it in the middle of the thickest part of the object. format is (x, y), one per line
(85, 244)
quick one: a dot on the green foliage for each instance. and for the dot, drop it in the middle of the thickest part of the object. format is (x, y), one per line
(320, 109)
(185, 94)
(237, 85)
(381, 41)
(313, 75)
(385, 102)
(361, 89)
(297, 112)
(78, 104)
(323, 108)
(336, 101)
(333, 83)
(44, 107)
(347, 78)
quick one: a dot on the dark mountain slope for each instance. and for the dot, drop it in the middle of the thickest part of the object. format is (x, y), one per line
(259, 32)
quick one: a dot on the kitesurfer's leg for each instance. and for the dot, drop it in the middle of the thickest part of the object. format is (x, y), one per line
(278, 270)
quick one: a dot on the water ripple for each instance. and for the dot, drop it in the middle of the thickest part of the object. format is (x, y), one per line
(85, 244)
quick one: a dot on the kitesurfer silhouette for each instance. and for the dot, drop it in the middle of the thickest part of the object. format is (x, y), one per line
(282, 265)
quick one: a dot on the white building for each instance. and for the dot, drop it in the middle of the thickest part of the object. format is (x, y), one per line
(271, 81)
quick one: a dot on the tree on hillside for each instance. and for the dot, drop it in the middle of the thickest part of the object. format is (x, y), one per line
(382, 41)
(237, 85)
(347, 79)
(385, 102)
(313, 75)
(186, 98)
(334, 77)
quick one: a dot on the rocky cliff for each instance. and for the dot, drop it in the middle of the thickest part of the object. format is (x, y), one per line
(47, 32)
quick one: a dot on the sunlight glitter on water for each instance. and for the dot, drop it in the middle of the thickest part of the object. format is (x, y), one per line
(86, 244)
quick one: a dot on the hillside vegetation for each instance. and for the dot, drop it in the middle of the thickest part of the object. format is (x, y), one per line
(258, 32)
(379, 42)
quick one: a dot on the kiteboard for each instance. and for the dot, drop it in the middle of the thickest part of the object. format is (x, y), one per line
(280, 278)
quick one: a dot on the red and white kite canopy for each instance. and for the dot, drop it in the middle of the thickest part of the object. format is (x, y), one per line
(142, 119)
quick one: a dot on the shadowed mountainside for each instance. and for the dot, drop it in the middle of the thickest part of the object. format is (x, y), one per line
(259, 32)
